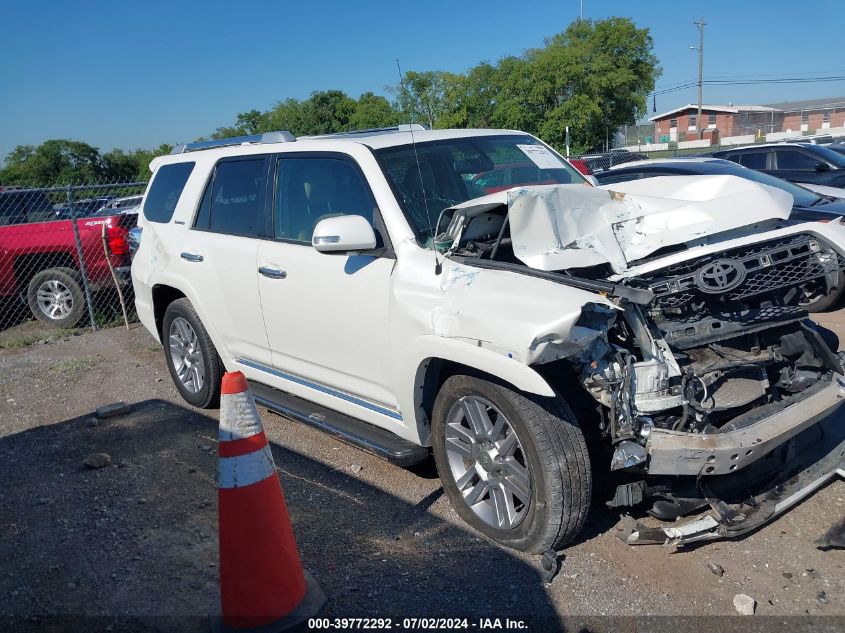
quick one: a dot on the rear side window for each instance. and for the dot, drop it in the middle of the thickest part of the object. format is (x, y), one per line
(233, 202)
(165, 190)
(753, 160)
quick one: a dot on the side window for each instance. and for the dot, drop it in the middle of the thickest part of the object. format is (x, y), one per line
(793, 159)
(233, 201)
(165, 190)
(753, 160)
(312, 188)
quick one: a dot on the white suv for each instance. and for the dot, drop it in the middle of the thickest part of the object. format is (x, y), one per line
(468, 291)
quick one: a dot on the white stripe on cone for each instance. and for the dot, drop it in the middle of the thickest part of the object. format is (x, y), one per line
(245, 470)
(238, 417)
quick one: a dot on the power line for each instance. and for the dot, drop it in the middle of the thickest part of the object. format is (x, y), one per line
(747, 82)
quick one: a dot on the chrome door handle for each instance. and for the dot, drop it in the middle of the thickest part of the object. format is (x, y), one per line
(191, 257)
(272, 273)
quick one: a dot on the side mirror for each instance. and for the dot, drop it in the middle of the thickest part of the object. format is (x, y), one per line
(343, 234)
(822, 166)
(592, 180)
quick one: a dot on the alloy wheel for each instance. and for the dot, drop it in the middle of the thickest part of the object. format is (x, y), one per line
(487, 462)
(186, 355)
(55, 300)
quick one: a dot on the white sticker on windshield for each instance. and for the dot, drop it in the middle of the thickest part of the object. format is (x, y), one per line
(542, 157)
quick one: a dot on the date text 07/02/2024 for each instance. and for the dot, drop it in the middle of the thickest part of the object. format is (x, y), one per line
(481, 624)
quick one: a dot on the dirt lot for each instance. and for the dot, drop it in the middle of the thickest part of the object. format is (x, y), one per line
(135, 543)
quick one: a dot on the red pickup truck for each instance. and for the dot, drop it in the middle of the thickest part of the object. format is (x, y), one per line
(39, 263)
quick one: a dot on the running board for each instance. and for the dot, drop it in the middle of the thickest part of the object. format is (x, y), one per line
(343, 427)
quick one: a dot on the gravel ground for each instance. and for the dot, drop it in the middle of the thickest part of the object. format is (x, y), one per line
(134, 543)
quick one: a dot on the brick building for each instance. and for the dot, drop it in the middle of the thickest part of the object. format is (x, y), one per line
(720, 121)
(717, 120)
(812, 115)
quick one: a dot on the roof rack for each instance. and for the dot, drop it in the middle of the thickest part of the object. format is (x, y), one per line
(404, 127)
(280, 136)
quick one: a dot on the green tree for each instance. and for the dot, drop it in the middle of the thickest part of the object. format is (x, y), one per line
(286, 115)
(53, 162)
(142, 158)
(373, 111)
(593, 77)
(422, 96)
(327, 111)
(252, 122)
(470, 99)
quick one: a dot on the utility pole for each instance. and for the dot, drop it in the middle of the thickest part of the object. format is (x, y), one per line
(700, 24)
(582, 9)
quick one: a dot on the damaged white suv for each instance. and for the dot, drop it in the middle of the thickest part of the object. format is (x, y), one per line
(468, 291)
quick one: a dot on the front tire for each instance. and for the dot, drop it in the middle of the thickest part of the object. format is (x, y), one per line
(191, 357)
(514, 466)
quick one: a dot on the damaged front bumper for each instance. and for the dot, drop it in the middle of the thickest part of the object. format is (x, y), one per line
(743, 500)
(677, 453)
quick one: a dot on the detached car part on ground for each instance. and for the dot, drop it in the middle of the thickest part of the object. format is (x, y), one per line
(535, 338)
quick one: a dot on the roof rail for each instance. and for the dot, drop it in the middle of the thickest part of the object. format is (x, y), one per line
(280, 136)
(404, 127)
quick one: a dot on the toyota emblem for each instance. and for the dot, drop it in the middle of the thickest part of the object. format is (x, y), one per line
(720, 276)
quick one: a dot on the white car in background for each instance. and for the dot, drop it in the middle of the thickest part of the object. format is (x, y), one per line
(380, 285)
(121, 206)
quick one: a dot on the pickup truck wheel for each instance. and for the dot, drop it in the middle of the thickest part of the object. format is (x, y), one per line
(514, 466)
(191, 357)
(55, 297)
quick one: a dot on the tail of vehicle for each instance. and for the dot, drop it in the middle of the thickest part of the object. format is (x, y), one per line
(581, 165)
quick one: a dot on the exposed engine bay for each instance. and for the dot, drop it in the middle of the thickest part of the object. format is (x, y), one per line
(724, 334)
(690, 373)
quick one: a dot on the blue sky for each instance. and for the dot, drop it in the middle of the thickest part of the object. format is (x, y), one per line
(119, 74)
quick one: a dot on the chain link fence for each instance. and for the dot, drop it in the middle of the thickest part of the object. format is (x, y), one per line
(64, 254)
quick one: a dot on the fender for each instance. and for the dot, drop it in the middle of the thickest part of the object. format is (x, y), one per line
(426, 347)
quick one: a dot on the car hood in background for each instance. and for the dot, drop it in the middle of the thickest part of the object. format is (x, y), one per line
(824, 190)
(571, 226)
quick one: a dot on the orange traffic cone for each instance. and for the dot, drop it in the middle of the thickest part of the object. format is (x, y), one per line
(262, 583)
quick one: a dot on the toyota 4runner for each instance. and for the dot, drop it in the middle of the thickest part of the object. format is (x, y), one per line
(648, 336)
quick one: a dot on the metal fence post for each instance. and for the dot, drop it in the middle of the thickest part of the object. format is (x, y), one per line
(81, 256)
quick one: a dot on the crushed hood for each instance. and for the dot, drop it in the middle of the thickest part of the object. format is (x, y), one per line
(571, 226)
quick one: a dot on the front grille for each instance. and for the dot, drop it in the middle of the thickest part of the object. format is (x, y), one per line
(766, 266)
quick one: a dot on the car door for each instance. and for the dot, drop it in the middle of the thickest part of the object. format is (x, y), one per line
(796, 165)
(327, 315)
(220, 252)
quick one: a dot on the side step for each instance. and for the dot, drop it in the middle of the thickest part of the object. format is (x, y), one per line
(343, 427)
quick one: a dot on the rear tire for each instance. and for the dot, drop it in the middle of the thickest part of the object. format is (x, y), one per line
(191, 357)
(55, 297)
(552, 509)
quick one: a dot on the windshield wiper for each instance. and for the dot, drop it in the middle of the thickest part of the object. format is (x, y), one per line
(821, 199)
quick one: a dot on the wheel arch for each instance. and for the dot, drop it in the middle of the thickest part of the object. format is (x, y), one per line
(163, 296)
(27, 265)
(431, 360)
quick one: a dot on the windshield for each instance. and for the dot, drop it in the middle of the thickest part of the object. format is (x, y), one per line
(803, 197)
(456, 170)
(829, 155)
